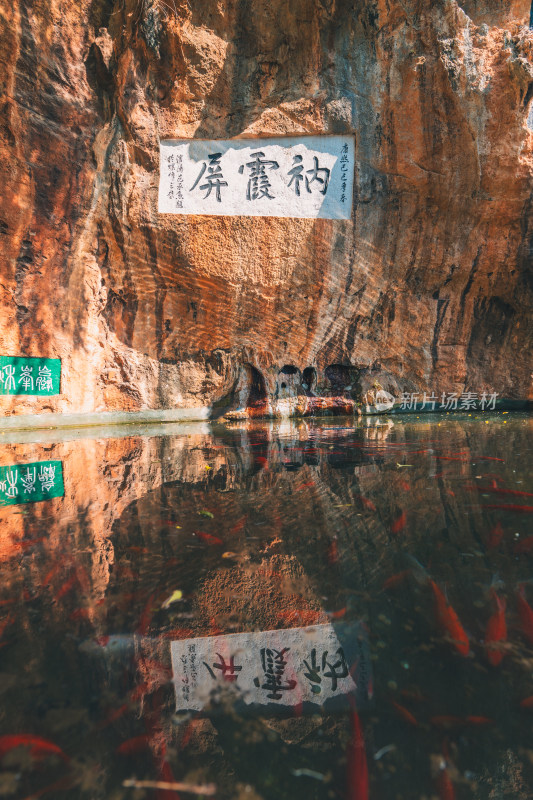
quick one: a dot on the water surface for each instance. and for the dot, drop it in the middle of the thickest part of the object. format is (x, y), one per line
(175, 534)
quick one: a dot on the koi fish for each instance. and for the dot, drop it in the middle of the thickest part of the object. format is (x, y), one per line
(399, 523)
(526, 613)
(449, 620)
(527, 702)
(474, 720)
(496, 631)
(524, 546)
(396, 580)
(135, 745)
(333, 551)
(117, 713)
(306, 485)
(495, 536)
(5, 623)
(405, 486)
(239, 525)
(512, 507)
(368, 504)
(494, 490)
(66, 587)
(207, 538)
(337, 614)
(38, 747)
(445, 785)
(405, 714)
(446, 616)
(27, 543)
(446, 721)
(357, 767)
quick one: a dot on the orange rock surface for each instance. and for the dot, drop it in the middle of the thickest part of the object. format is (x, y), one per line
(427, 287)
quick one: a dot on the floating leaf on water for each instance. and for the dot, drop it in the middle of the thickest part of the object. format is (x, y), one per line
(205, 513)
(176, 595)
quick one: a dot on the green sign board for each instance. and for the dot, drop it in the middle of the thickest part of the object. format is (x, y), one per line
(20, 375)
(29, 483)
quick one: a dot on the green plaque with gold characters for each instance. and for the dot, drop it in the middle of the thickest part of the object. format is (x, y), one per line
(37, 376)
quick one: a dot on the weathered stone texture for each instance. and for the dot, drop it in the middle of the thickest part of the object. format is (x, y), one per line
(427, 287)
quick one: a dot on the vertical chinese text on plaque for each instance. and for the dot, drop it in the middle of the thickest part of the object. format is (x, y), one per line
(310, 177)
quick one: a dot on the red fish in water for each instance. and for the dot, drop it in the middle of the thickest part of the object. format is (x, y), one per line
(239, 525)
(526, 613)
(474, 720)
(495, 536)
(524, 546)
(306, 485)
(449, 620)
(397, 579)
(337, 614)
(446, 721)
(5, 623)
(333, 551)
(66, 587)
(357, 767)
(405, 486)
(494, 490)
(405, 714)
(38, 747)
(445, 785)
(368, 504)
(207, 538)
(503, 507)
(135, 745)
(399, 523)
(496, 632)
(527, 702)
(445, 614)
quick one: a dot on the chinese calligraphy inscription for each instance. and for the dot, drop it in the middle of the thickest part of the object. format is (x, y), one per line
(40, 376)
(276, 668)
(29, 483)
(284, 177)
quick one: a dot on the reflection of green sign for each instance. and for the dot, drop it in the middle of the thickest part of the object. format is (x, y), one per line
(29, 483)
(19, 375)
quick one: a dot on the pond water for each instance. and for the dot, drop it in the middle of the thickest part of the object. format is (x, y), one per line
(348, 610)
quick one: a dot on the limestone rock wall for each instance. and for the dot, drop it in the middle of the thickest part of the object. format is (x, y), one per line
(427, 287)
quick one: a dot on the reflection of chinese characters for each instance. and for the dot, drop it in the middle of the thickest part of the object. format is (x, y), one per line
(449, 401)
(47, 477)
(9, 485)
(297, 175)
(24, 481)
(258, 183)
(228, 670)
(337, 670)
(214, 178)
(274, 663)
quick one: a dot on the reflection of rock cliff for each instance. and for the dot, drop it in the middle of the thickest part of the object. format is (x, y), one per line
(425, 288)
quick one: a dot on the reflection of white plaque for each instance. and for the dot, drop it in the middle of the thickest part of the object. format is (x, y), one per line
(285, 177)
(282, 667)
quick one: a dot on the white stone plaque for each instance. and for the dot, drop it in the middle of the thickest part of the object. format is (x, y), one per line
(284, 667)
(286, 177)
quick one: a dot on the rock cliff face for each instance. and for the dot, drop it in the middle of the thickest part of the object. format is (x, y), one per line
(427, 287)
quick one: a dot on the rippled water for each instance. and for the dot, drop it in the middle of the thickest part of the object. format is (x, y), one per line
(397, 540)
